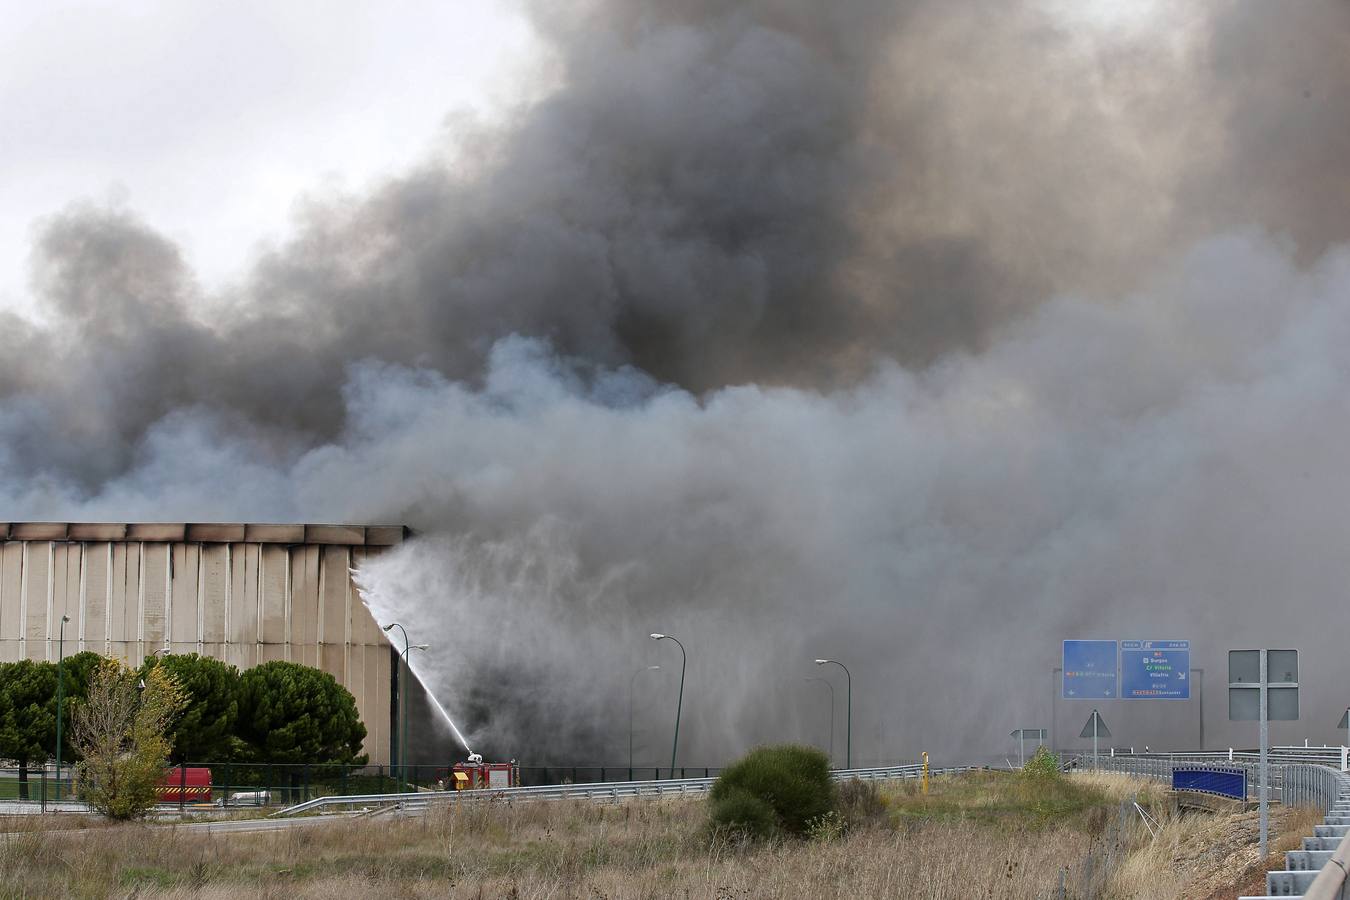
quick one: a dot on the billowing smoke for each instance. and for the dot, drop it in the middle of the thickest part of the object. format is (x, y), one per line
(915, 334)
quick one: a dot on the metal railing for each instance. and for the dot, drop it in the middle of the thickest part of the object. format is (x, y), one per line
(1312, 780)
(1309, 785)
(611, 791)
(1318, 870)
(1300, 776)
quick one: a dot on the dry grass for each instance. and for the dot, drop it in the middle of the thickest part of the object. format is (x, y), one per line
(989, 830)
(1117, 786)
(1195, 855)
(1294, 825)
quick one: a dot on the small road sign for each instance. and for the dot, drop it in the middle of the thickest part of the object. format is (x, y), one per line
(1099, 731)
(1021, 735)
(1090, 670)
(1245, 686)
(1095, 728)
(1155, 670)
(1029, 734)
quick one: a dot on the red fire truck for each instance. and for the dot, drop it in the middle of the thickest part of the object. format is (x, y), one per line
(478, 775)
(191, 785)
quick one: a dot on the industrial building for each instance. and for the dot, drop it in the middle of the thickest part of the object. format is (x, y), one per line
(244, 594)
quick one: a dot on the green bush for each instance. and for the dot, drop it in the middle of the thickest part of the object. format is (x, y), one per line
(1043, 765)
(741, 811)
(774, 790)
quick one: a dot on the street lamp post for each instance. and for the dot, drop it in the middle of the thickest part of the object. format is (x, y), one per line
(60, 696)
(631, 682)
(848, 755)
(403, 711)
(826, 682)
(679, 705)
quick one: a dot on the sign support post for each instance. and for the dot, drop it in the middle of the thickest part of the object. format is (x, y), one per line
(1055, 687)
(1265, 764)
(1200, 695)
(1095, 728)
(1270, 678)
(1345, 723)
(1021, 736)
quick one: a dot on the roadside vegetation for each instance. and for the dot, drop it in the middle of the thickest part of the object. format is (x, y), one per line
(983, 834)
(121, 732)
(274, 713)
(577, 849)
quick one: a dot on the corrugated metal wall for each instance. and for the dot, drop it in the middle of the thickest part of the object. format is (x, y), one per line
(244, 603)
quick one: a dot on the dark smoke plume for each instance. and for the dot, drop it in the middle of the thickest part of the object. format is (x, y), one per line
(758, 324)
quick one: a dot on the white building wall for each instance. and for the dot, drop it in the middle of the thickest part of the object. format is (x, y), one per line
(244, 594)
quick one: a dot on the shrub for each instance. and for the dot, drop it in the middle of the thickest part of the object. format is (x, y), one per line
(1043, 765)
(741, 811)
(826, 828)
(774, 789)
(861, 802)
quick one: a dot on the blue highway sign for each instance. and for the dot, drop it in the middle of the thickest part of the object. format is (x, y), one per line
(1089, 670)
(1155, 670)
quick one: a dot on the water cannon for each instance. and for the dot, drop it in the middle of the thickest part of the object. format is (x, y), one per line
(475, 758)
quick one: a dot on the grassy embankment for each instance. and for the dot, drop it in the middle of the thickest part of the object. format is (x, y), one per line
(984, 834)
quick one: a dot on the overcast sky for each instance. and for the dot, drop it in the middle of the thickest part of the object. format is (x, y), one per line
(209, 119)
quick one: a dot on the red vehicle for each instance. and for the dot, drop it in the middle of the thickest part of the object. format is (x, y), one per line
(478, 775)
(190, 785)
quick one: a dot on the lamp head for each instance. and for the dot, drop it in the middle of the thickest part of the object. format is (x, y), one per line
(421, 646)
(656, 636)
(821, 662)
(389, 627)
(65, 618)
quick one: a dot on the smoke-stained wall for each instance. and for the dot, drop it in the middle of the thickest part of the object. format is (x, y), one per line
(243, 594)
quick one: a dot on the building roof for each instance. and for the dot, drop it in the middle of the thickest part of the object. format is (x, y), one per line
(206, 533)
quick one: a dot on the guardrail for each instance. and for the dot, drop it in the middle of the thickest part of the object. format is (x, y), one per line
(612, 791)
(1292, 765)
(1318, 870)
(1300, 776)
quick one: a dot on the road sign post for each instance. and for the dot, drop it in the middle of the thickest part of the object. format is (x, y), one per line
(1345, 723)
(1094, 729)
(1200, 696)
(1022, 734)
(1055, 676)
(1263, 685)
(1265, 751)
